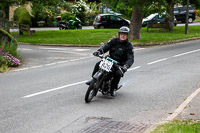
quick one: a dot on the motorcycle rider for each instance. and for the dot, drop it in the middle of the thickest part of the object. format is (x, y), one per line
(121, 50)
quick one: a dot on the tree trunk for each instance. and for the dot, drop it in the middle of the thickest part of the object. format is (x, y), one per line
(7, 11)
(170, 11)
(136, 24)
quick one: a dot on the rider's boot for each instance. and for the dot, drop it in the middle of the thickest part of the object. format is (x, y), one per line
(112, 92)
(88, 82)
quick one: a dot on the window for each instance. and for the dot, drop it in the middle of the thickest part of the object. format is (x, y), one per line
(115, 18)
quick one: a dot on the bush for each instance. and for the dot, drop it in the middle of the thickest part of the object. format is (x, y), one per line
(197, 13)
(8, 51)
(22, 16)
(79, 10)
(67, 16)
(5, 37)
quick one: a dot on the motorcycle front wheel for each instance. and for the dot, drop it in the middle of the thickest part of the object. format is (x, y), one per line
(91, 91)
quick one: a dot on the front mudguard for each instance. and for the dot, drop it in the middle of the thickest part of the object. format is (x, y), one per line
(98, 75)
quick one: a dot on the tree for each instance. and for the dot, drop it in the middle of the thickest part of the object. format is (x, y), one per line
(170, 11)
(194, 3)
(5, 4)
(139, 7)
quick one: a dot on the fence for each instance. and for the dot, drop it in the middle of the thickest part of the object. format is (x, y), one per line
(6, 25)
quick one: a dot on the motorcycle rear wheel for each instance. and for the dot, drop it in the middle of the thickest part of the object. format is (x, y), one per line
(91, 92)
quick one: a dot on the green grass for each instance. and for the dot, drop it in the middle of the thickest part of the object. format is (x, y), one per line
(161, 36)
(70, 37)
(96, 36)
(197, 19)
(179, 126)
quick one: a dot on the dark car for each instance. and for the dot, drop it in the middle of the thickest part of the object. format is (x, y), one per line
(180, 14)
(109, 21)
(155, 18)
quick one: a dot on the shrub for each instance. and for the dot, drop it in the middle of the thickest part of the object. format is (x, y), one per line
(5, 37)
(8, 51)
(9, 60)
(197, 13)
(22, 16)
(79, 9)
(67, 16)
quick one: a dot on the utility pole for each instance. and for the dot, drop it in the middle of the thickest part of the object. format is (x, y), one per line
(187, 17)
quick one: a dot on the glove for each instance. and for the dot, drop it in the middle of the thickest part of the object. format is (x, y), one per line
(124, 68)
(96, 53)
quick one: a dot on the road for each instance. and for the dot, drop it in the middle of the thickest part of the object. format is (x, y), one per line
(46, 93)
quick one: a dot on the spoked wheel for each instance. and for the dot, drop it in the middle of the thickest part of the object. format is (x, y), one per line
(91, 92)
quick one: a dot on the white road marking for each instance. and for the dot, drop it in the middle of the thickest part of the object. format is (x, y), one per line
(47, 48)
(50, 64)
(139, 49)
(177, 111)
(36, 66)
(186, 53)
(21, 69)
(134, 68)
(66, 52)
(54, 89)
(150, 63)
(80, 50)
(24, 49)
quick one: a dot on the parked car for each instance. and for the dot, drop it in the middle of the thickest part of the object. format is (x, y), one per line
(155, 18)
(180, 14)
(109, 21)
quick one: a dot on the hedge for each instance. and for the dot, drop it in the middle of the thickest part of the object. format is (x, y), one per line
(22, 16)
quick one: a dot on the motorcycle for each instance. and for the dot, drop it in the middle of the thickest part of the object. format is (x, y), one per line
(72, 24)
(102, 79)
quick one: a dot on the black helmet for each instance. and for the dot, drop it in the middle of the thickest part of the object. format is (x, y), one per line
(124, 29)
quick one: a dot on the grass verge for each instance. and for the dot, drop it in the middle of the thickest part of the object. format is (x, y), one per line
(162, 36)
(70, 37)
(197, 19)
(179, 126)
(95, 36)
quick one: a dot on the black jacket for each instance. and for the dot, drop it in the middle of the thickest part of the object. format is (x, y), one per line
(120, 51)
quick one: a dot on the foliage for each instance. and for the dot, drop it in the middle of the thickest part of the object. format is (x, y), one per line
(66, 16)
(197, 13)
(9, 60)
(65, 5)
(160, 36)
(91, 13)
(179, 126)
(8, 51)
(194, 3)
(125, 6)
(6, 37)
(2, 14)
(96, 36)
(22, 16)
(79, 9)
(4, 5)
(155, 7)
(44, 11)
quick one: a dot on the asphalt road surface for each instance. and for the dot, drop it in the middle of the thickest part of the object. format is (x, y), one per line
(46, 93)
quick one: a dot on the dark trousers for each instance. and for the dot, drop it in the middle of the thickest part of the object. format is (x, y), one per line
(117, 76)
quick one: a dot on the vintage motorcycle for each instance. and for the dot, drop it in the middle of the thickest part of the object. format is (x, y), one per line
(102, 79)
(72, 24)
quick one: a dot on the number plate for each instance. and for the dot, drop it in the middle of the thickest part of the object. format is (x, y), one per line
(106, 65)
